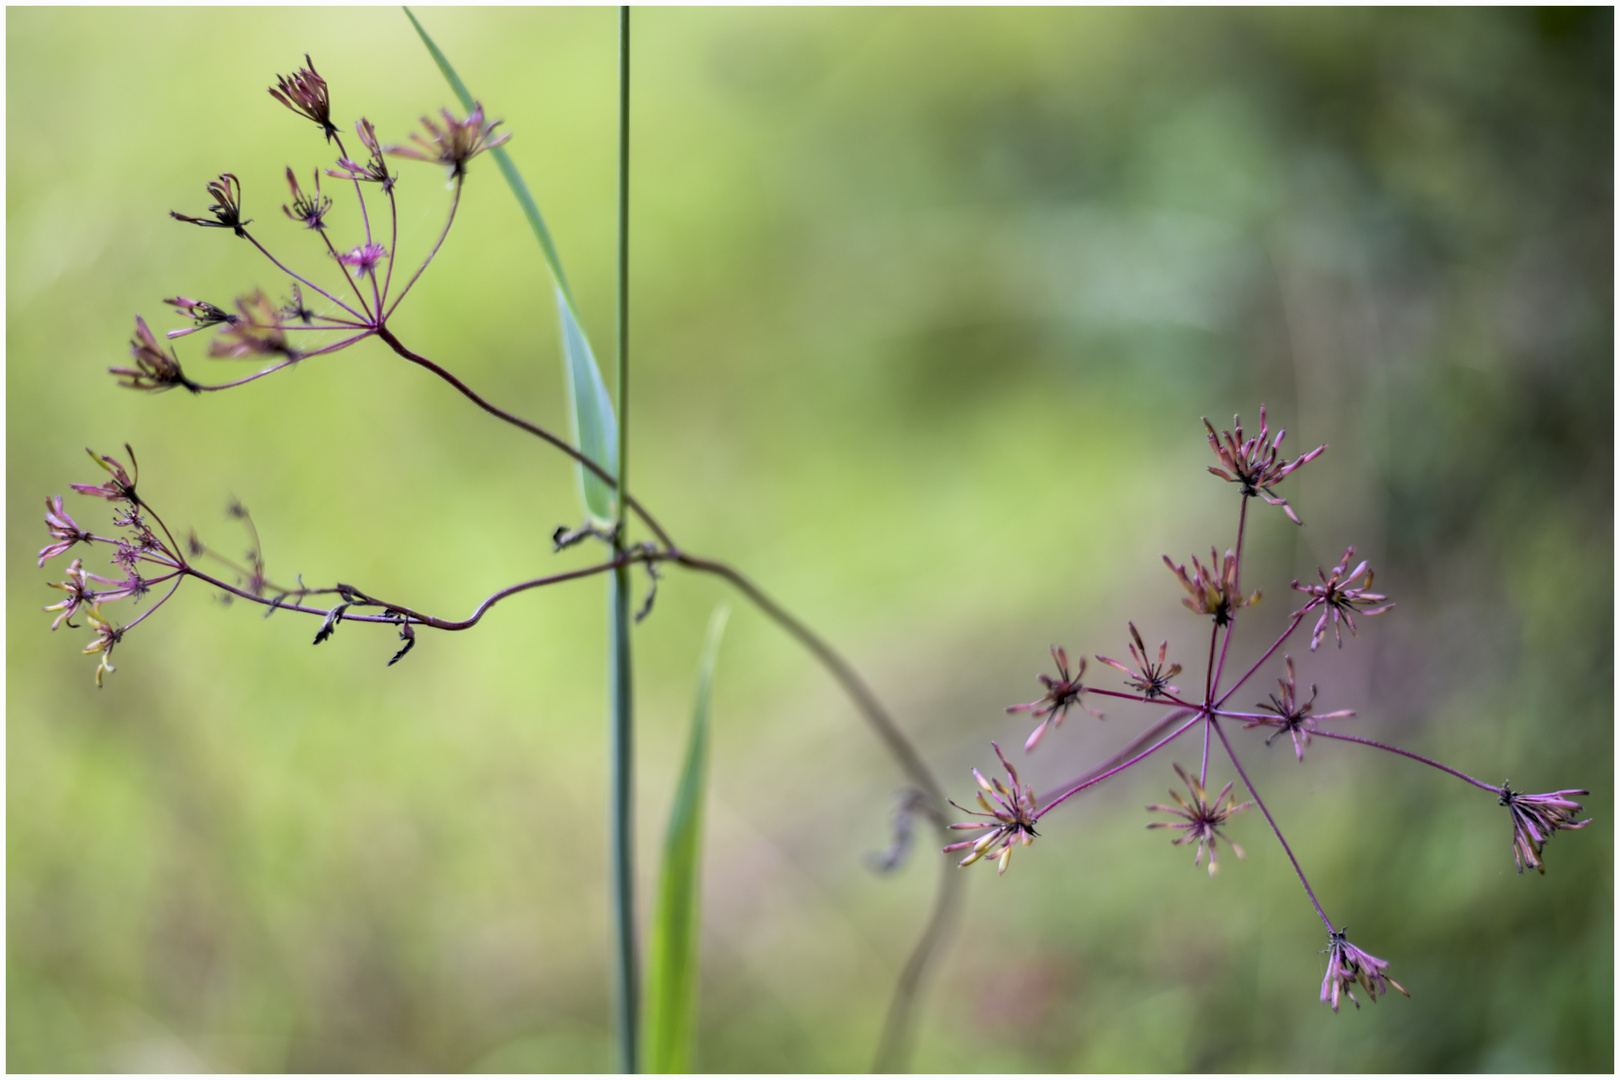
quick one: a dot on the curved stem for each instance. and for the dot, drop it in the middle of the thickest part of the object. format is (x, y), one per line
(1407, 753)
(344, 267)
(533, 429)
(1131, 750)
(243, 382)
(1272, 822)
(137, 620)
(894, 1044)
(393, 238)
(455, 201)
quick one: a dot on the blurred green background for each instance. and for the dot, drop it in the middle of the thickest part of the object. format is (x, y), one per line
(927, 306)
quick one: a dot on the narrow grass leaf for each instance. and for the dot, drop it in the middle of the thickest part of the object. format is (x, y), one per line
(594, 423)
(672, 962)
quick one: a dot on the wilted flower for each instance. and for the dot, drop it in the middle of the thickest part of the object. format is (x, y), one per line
(62, 526)
(455, 143)
(80, 594)
(121, 487)
(1214, 591)
(227, 208)
(1293, 716)
(1201, 819)
(1536, 818)
(1339, 599)
(311, 210)
(1253, 464)
(1151, 680)
(304, 92)
(107, 635)
(256, 331)
(156, 368)
(364, 258)
(375, 170)
(1012, 818)
(1061, 693)
(1348, 965)
(201, 312)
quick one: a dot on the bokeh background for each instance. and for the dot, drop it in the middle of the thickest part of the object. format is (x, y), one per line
(927, 306)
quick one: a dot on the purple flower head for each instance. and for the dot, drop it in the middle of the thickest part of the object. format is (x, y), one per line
(364, 258)
(375, 170)
(61, 526)
(304, 92)
(1348, 965)
(1213, 591)
(227, 207)
(1293, 716)
(455, 143)
(310, 209)
(202, 313)
(257, 330)
(121, 488)
(1253, 464)
(107, 635)
(1340, 600)
(156, 368)
(1012, 818)
(1200, 819)
(1536, 818)
(1061, 693)
(1148, 679)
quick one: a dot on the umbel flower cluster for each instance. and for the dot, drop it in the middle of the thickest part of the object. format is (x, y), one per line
(312, 320)
(1010, 812)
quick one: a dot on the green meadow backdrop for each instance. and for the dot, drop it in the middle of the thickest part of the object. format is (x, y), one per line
(927, 305)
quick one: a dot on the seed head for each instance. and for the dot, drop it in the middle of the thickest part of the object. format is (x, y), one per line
(1339, 599)
(257, 330)
(1347, 966)
(1293, 716)
(1253, 464)
(1012, 818)
(1150, 680)
(1536, 818)
(304, 92)
(1200, 819)
(310, 209)
(121, 488)
(61, 525)
(364, 258)
(107, 635)
(227, 207)
(375, 170)
(156, 368)
(455, 143)
(1061, 693)
(1213, 591)
(202, 313)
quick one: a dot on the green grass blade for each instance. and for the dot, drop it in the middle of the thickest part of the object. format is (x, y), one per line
(672, 973)
(595, 427)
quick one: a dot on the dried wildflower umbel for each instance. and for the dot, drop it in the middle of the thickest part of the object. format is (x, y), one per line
(156, 368)
(454, 144)
(1253, 464)
(1201, 820)
(1292, 715)
(1061, 694)
(227, 207)
(305, 93)
(1347, 966)
(1339, 599)
(1536, 818)
(1012, 818)
(1214, 592)
(1148, 679)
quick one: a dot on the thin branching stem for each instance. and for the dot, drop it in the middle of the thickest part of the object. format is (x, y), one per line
(455, 201)
(1105, 774)
(1271, 821)
(1407, 753)
(364, 318)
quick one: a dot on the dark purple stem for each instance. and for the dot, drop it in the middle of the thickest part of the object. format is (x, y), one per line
(137, 621)
(243, 382)
(1100, 777)
(1299, 617)
(1169, 699)
(344, 267)
(1261, 803)
(1407, 753)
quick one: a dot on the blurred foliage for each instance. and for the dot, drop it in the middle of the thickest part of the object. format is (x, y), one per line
(927, 305)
